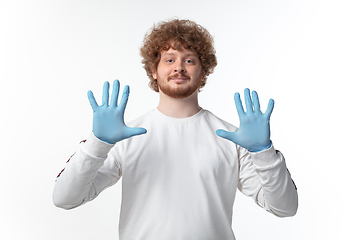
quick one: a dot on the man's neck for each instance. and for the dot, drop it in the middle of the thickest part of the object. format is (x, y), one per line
(179, 107)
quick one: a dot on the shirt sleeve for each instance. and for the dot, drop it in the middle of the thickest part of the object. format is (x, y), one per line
(87, 173)
(265, 177)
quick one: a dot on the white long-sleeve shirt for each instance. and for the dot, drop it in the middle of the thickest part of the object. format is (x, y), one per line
(178, 180)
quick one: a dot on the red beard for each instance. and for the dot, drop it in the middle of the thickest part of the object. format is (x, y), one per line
(181, 90)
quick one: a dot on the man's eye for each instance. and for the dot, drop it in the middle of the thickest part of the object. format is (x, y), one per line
(169, 60)
(189, 61)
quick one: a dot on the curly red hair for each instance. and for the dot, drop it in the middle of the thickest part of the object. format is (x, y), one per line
(177, 34)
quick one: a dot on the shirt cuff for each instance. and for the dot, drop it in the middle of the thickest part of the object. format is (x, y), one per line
(95, 147)
(266, 159)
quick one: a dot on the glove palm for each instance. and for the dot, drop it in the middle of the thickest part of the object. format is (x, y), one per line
(108, 120)
(254, 131)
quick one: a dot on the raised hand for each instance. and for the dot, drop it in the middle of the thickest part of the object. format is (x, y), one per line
(254, 131)
(108, 120)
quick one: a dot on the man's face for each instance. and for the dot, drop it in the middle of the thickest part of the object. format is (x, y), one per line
(179, 73)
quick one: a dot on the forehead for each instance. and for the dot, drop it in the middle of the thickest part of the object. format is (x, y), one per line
(182, 52)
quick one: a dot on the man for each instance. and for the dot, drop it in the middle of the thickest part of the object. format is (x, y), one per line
(180, 164)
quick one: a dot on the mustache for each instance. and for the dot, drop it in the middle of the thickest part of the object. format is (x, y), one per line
(178, 75)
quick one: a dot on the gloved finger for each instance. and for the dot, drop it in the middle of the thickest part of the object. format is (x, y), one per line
(225, 134)
(124, 98)
(105, 94)
(239, 106)
(269, 109)
(248, 101)
(115, 93)
(256, 103)
(92, 100)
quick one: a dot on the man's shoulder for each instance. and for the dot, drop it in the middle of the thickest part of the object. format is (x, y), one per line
(219, 121)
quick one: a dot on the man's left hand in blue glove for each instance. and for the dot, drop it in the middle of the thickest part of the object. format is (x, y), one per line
(254, 131)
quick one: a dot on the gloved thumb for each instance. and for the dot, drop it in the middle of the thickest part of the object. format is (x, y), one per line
(135, 131)
(224, 134)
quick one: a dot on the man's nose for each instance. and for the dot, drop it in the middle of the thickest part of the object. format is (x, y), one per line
(179, 68)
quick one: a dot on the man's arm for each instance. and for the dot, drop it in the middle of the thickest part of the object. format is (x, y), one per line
(87, 173)
(263, 173)
(92, 168)
(265, 177)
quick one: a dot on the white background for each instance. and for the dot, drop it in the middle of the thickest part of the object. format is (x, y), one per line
(303, 54)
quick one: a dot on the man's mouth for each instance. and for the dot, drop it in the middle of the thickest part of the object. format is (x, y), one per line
(178, 78)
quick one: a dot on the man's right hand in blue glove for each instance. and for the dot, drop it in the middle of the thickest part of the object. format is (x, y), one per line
(108, 120)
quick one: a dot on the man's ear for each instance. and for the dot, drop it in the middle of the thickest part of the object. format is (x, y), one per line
(202, 75)
(154, 74)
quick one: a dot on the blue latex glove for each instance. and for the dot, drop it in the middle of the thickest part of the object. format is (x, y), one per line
(108, 120)
(254, 131)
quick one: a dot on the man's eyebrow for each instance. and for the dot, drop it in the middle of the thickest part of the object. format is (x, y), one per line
(187, 55)
(191, 55)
